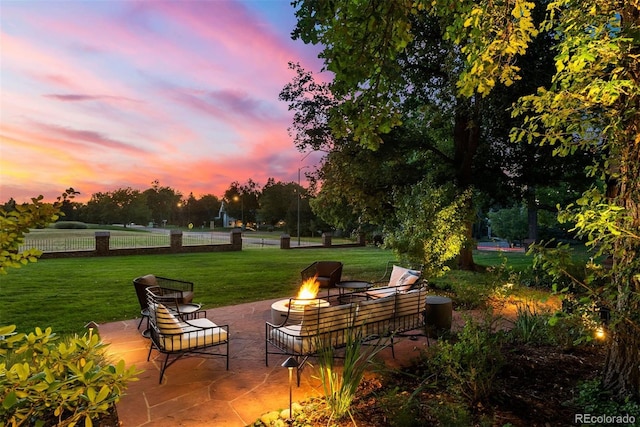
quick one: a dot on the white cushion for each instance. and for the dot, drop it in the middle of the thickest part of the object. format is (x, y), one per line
(374, 316)
(397, 272)
(406, 281)
(197, 333)
(290, 337)
(167, 323)
(385, 291)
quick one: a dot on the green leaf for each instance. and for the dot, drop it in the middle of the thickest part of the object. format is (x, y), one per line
(10, 400)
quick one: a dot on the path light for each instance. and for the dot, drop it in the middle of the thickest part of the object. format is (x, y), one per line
(91, 326)
(290, 364)
(600, 333)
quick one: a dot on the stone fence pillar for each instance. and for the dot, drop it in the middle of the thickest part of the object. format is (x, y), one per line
(361, 239)
(102, 243)
(236, 238)
(176, 240)
(326, 239)
(285, 241)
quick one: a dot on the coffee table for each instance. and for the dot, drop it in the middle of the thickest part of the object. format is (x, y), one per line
(353, 286)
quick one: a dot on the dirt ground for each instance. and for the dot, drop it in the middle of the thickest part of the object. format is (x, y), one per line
(533, 388)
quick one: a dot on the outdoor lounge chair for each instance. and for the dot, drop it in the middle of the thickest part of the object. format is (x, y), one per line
(178, 289)
(327, 273)
(175, 334)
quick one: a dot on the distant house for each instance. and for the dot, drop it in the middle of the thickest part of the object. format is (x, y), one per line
(227, 221)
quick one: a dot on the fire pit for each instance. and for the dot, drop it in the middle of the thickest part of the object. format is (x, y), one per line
(294, 307)
(280, 309)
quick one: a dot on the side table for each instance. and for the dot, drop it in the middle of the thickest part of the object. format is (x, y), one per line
(353, 286)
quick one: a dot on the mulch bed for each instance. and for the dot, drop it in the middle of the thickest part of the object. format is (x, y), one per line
(534, 388)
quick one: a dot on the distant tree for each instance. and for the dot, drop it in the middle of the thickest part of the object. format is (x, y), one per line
(9, 205)
(121, 206)
(241, 201)
(510, 223)
(162, 202)
(70, 210)
(277, 200)
(204, 210)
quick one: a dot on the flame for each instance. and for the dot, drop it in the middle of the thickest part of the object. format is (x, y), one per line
(309, 288)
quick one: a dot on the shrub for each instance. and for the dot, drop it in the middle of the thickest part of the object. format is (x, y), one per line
(593, 399)
(450, 414)
(401, 408)
(70, 225)
(339, 388)
(46, 380)
(469, 365)
(531, 326)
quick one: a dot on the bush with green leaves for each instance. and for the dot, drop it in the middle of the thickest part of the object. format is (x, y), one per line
(49, 380)
(15, 224)
(592, 398)
(70, 225)
(469, 365)
(510, 223)
(431, 226)
(401, 408)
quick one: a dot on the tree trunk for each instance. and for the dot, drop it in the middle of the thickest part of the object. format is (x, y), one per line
(466, 137)
(465, 257)
(621, 373)
(622, 366)
(532, 215)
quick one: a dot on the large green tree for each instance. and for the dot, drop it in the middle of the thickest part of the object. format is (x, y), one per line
(593, 105)
(395, 89)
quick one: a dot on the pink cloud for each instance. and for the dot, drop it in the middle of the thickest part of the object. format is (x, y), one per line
(105, 95)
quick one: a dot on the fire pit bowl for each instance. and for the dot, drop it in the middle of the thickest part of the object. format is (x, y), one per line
(293, 308)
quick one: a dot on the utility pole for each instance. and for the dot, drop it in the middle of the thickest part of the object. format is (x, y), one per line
(299, 187)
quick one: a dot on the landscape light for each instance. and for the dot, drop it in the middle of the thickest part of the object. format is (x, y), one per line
(290, 363)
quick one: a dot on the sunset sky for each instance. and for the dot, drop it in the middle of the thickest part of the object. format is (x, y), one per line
(101, 95)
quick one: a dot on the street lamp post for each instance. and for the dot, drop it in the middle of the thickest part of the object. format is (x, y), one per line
(241, 206)
(299, 169)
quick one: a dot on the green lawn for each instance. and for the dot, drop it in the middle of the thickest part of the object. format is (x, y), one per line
(68, 293)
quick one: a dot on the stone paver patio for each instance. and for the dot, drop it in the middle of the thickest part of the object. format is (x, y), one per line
(198, 391)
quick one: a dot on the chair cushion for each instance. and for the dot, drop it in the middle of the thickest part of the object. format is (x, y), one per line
(406, 281)
(149, 280)
(397, 272)
(290, 337)
(374, 316)
(323, 282)
(198, 333)
(382, 292)
(167, 323)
